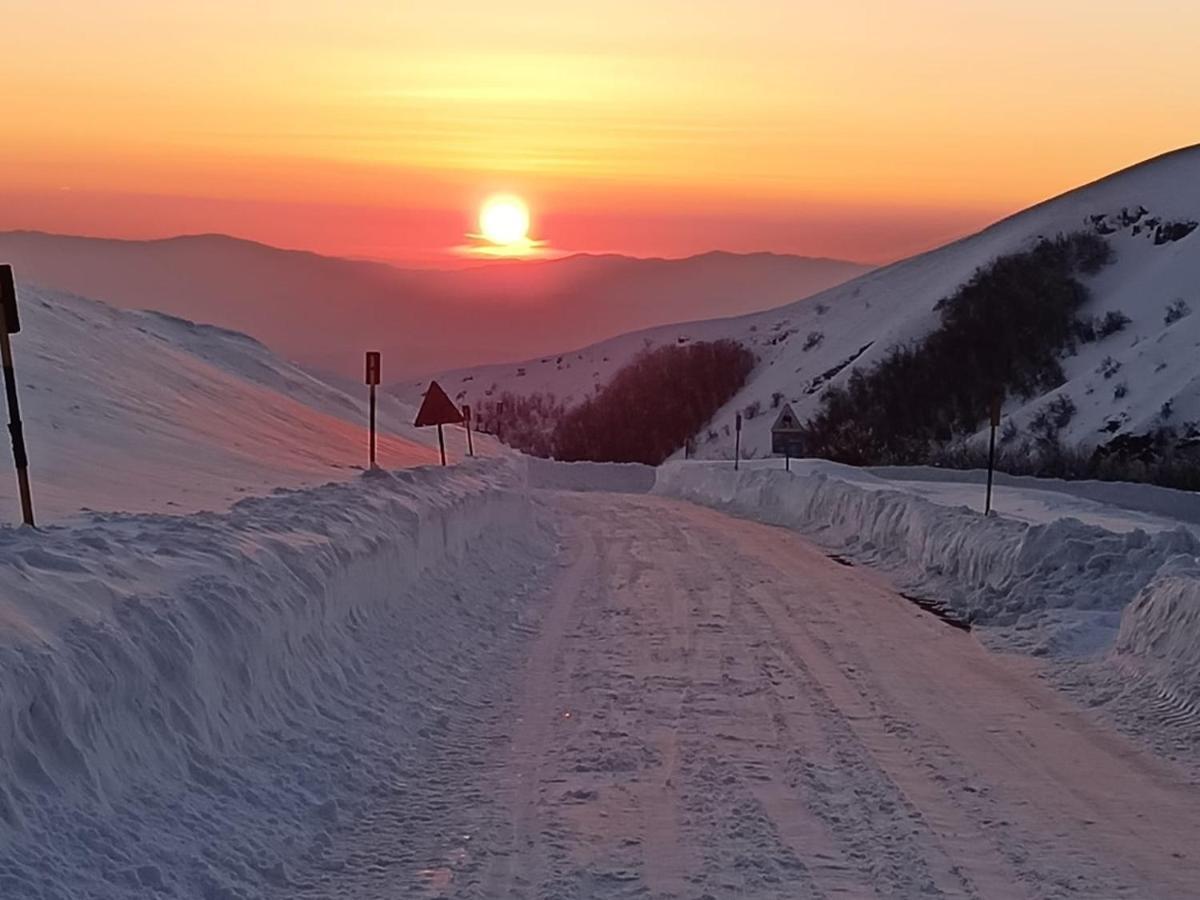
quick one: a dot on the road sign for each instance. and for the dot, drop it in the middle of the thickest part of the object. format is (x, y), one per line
(438, 409)
(787, 434)
(372, 378)
(11, 324)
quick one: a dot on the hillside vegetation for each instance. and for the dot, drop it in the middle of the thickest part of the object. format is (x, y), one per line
(652, 406)
(1002, 333)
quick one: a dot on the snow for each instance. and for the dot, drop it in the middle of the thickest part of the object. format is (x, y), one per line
(860, 320)
(143, 412)
(141, 654)
(633, 478)
(1047, 584)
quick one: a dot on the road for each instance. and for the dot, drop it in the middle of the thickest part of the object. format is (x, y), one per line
(712, 708)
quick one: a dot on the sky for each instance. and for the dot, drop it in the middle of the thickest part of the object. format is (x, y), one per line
(861, 129)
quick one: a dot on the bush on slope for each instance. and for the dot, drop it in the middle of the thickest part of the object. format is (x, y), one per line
(654, 404)
(1001, 333)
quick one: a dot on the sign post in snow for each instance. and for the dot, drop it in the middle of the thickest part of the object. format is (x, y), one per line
(466, 413)
(786, 436)
(995, 418)
(10, 323)
(372, 381)
(737, 442)
(438, 409)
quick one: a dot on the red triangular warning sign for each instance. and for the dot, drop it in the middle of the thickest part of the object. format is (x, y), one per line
(437, 408)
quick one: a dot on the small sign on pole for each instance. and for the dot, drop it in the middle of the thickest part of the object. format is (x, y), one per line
(10, 323)
(995, 419)
(466, 413)
(787, 435)
(438, 409)
(737, 442)
(372, 379)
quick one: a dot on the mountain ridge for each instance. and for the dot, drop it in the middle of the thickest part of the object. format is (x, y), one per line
(323, 311)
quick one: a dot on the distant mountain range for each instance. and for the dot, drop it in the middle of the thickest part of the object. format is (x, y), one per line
(323, 312)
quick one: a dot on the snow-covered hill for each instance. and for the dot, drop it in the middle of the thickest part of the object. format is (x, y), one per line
(139, 411)
(1127, 383)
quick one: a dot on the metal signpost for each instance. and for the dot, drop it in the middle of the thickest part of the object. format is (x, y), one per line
(10, 323)
(438, 409)
(737, 442)
(786, 436)
(987, 506)
(466, 413)
(373, 382)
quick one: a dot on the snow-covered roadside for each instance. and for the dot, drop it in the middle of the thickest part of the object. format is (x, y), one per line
(138, 652)
(1058, 587)
(623, 478)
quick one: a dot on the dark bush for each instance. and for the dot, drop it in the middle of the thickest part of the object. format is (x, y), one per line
(1176, 311)
(1113, 321)
(654, 404)
(524, 422)
(1003, 332)
(1109, 367)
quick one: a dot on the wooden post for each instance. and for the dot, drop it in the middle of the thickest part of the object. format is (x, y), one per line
(442, 443)
(10, 324)
(466, 411)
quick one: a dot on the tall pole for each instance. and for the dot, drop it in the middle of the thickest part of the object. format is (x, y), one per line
(372, 379)
(372, 426)
(995, 418)
(737, 443)
(442, 443)
(466, 411)
(9, 324)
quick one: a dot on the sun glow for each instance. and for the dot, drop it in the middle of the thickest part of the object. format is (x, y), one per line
(504, 220)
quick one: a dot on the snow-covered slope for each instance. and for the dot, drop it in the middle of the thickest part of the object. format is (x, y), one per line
(140, 411)
(817, 341)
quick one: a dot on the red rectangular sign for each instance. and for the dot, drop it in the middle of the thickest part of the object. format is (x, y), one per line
(372, 367)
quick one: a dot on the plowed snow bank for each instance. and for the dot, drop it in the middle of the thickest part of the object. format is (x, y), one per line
(144, 646)
(1055, 587)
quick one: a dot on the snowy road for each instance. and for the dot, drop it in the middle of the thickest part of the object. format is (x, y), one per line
(712, 708)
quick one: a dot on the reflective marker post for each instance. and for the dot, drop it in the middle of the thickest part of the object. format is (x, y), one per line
(987, 506)
(737, 442)
(466, 411)
(372, 381)
(10, 323)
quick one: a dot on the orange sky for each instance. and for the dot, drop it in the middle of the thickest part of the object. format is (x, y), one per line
(865, 129)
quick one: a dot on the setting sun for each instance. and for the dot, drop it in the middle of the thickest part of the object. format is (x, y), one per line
(504, 220)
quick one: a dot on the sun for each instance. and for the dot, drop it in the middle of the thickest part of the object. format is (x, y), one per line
(504, 220)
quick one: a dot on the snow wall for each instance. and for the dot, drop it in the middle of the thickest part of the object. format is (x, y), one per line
(145, 644)
(625, 478)
(1058, 587)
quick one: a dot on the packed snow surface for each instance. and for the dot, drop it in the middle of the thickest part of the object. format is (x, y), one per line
(1135, 380)
(1042, 577)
